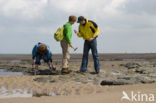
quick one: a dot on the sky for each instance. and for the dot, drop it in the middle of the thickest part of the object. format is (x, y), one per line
(126, 26)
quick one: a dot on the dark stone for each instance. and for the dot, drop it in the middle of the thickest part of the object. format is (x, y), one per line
(45, 79)
(115, 82)
(131, 65)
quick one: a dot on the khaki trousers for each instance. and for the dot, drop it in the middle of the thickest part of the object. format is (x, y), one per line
(65, 52)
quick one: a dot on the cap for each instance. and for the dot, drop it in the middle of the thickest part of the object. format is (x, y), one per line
(80, 18)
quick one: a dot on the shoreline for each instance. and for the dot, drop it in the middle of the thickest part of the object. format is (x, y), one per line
(75, 57)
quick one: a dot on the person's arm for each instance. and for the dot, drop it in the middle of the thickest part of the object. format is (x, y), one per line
(68, 34)
(34, 55)
(34, 52)
(79, 34)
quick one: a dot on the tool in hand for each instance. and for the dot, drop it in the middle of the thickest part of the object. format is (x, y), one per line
(74, 48)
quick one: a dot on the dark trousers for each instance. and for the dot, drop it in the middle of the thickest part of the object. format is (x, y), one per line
(44, 57)
(87, 46)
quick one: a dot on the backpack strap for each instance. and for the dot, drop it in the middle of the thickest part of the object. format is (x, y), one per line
(95, 25)
(64, 34)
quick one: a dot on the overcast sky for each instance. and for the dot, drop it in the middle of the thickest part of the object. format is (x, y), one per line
(126, 26)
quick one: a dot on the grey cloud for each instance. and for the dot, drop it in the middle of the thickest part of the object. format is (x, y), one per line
(140, 6)
(124, 31)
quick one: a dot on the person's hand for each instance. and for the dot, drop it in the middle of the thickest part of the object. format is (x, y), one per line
(54, 67)
(91, 39)
(70, 45)
(75, 31)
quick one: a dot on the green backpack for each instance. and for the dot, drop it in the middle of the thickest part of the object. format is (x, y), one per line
(59, 34)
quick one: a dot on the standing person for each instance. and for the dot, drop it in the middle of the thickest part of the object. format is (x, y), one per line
(89, 30)
(66, 44)
(42, 51)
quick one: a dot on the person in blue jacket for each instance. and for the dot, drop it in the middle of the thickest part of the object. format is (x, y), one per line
(42, 51)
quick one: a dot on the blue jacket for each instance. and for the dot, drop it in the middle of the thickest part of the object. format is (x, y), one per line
(35, 52)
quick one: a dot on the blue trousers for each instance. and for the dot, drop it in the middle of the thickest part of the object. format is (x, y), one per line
(87, 46)
(44, 57)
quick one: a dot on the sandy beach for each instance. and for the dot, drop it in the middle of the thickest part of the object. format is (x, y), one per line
(111, 94)
(137, 77)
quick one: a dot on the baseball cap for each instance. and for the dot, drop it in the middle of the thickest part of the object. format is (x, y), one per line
(80, 18)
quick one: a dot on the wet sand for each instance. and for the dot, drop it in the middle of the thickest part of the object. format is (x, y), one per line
(111, 94)
(115, 77)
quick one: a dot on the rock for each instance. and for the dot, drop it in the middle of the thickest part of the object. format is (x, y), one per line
(143, 79)
(84, 81)
(36, 94)
(115, 82)
(153, 64)
(128, 80)
(45, 79)
(131, 65)
(145, 70)
(152, 75)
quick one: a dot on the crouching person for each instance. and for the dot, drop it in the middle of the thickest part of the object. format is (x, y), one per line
(39, 52)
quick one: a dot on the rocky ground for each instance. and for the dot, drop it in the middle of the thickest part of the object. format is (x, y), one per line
(112, 72)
